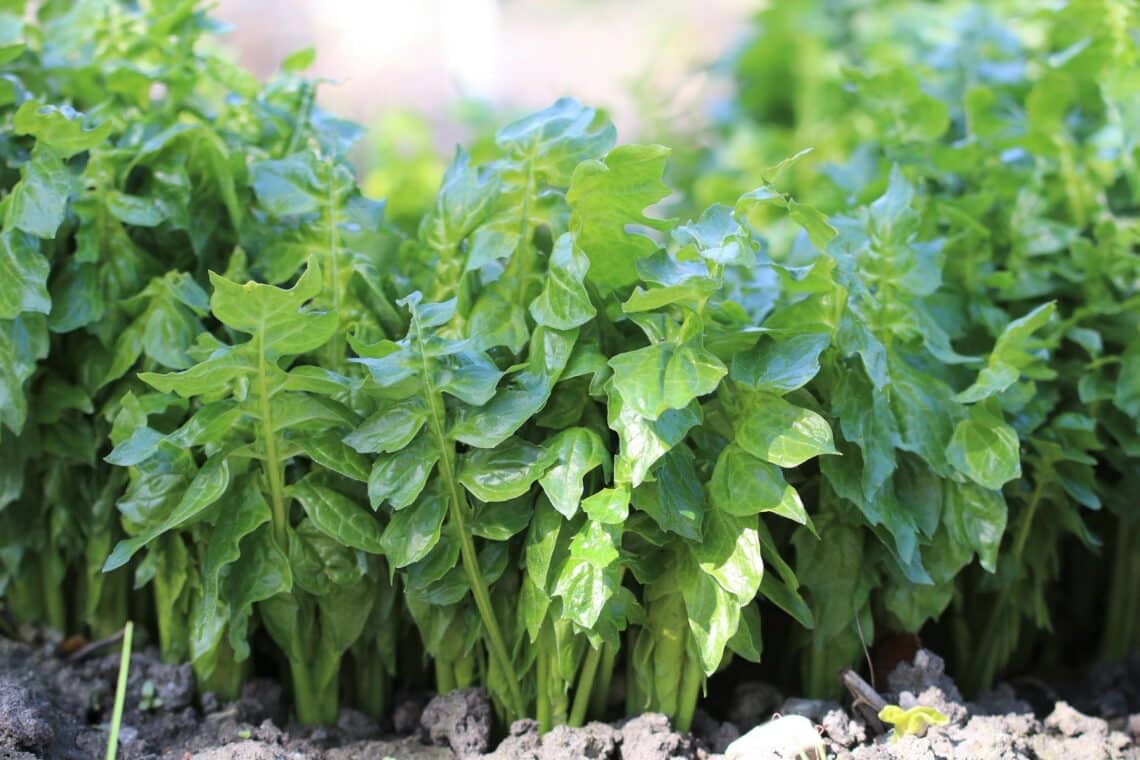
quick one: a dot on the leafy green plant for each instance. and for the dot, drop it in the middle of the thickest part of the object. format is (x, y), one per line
(535, 430)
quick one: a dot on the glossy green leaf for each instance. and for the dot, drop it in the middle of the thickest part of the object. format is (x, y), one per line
(502, 473)
(985, 449)
(570, 455)
(23, 275)
(782, 433)
(608, 195)
(206, 488)
(62, 128)
(338, 517)
(664, 376)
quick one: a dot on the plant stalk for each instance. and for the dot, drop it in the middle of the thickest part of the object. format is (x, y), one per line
(691, 678)
(120, 692)
(585, 687)
(599, 700)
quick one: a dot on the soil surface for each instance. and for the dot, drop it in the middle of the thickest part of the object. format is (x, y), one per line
(53, 706)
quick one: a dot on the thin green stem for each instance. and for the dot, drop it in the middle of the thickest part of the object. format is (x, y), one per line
(56, 608)
(599, 700)
(271, 465)
(465, 672)
(306, 700)
(458, 509)
(691, 679)
(585, 686)
(444, 676)
(1122, 620)
(986, 658)
(308, 98)
(120, 692)
(542, 682)
(334, 350)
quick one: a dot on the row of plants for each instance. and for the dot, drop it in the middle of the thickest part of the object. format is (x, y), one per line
(1015, 120)
(564, 427)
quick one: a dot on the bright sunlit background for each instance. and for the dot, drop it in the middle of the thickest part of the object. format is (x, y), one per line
(517, 55)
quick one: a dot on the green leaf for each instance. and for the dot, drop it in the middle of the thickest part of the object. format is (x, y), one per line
(244, 512)
(504, 472)
(729, 551)
(714, 614)
(607, 196)
(390, 429)
(62, 128)
(985, 449)
(338, 517)
(610, 506)
(413, 532)
(206, 488)
(23, 342)
(643, 441)
(557, 139)
(288, 186)
(596, 543)
(570, 455)
(299, 60)
(564, 303)
(327, 450)
(744, 485)
(23, 275)
(276, 317)
(782, 433)
(584, 589)
(39, 201)
(400, 477)
(748, 641)
(1013, 352)
(521, 397)
(664, 376)
(780, 364)
(676, 501)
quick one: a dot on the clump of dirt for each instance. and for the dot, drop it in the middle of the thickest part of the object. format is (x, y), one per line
(460, 720)
(53, 707)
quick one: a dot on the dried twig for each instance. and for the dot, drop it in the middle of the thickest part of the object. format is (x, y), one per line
(90, 649)
(867, 702)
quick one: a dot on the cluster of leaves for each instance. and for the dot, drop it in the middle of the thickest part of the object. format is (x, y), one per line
(535, 432)
(1008, 220)
(136, 165)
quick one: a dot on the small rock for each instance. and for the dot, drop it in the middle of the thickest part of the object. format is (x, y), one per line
(594, 741)
(244, 750)
(842, 730)
(522, 743)
(791, 736)
(1072, 723)
(23, 726)
(1134, 726)
(753, 702)
(651, 737)
(268, 732)
(460, 720)
(934, 697)
(928, 669)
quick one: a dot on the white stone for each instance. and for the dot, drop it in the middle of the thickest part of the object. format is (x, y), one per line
(792, 736)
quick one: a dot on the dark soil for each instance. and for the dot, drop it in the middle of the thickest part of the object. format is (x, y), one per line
(52, 707)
